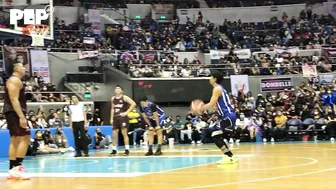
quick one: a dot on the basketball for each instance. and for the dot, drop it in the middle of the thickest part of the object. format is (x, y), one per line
(195, 105)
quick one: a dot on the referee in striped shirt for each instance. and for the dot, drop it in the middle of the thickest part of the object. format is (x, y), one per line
(78, 124)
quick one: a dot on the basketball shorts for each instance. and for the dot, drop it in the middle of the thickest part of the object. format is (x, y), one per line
(161, 122)
(120, 122)
(13, 125)
(225, 125)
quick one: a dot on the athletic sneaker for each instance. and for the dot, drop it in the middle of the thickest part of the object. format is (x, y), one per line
(158, 153)
(126, 153)
(149, 153)
(113, 153)
(227, 160)
(18, 173)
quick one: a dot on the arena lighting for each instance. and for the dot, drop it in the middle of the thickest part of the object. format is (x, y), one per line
(162, 17)
(138, 17)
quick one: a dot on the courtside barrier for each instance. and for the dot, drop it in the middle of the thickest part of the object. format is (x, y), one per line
(4, 136)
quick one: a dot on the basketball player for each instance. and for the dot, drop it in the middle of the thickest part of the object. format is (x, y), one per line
(227, 114)
(15, 108)
(122, 105)
(154, 117)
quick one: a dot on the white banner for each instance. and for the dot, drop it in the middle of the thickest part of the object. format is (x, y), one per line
(294, 51)
(94, 20)
(87, 54)
(238, 83)
(39, 63)
(242, 54)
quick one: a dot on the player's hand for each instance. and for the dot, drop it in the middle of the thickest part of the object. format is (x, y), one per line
(111, 121)
(124, 114)
(23, 123)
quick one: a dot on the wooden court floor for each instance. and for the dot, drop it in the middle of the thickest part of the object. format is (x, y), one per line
(270, 166)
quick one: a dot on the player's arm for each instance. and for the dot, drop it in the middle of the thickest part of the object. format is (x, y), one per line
(144, 116)
(112, 111)
(216, 92)
(14, 86)
(131, 103)
(155, 114)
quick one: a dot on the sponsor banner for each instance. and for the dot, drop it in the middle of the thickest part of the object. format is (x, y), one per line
(148, 56)
(128, 55)
(175, 90)
(87, 54)
(238, 83)
(15, 54)
(94, 20)
(275, 84)
(40, 64)
(309, 71)
(241, 54)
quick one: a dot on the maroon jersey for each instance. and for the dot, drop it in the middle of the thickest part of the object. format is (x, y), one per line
(120, 105)
(8, 107)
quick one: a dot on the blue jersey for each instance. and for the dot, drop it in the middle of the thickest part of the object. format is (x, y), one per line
(150, 109)
(224, 107)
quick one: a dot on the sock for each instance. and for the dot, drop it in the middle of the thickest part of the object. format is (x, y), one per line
(150, 147)
(12, 164)
(227, 152)
(159, 147)
(19, 161)
(114, 148)
(126, 147)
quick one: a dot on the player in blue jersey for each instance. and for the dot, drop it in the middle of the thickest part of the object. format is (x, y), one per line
(154, 117)
(227, 115)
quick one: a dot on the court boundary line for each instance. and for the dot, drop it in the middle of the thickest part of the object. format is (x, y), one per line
(263, 179)
(81, 175)
(313, 161)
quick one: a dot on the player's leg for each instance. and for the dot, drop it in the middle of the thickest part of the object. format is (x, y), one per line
(83, 138)
(75, 129)
(159, 134)
(20, 139)
(217, 136)
(126, 139)
(150, 141)
(12, 157)
(115, 132)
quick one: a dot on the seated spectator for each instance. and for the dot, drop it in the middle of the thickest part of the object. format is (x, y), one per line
(135, 125)
(168, 129)
(60, 139)
(280, 126)
(101, 140)
(55, 121)
(39, 145)
(254, 126)
(34, 123)
(241, 126)
(64, 115)
(331, 124)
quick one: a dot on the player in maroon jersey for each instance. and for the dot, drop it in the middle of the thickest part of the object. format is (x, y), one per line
(121, 106)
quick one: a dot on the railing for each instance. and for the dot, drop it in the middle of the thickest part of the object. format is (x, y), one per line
(47, 96)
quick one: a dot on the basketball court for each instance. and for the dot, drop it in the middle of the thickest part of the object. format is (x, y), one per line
(287, 165)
